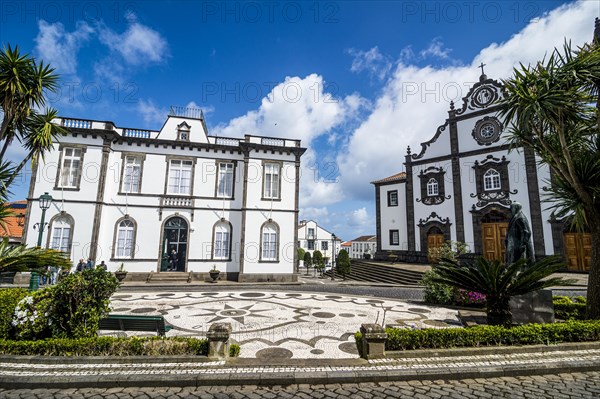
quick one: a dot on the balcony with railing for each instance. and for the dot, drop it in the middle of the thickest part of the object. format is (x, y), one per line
(272, 141)
(137, 133)
(171, 201)
(229, 141)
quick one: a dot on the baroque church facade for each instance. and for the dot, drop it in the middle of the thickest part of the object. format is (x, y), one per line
(459, 185)
(170, 200)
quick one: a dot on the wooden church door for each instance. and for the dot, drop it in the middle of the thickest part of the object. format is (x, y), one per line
(578, 251)
(493, 240)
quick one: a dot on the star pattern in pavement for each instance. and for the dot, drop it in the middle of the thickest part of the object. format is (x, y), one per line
(229, 312)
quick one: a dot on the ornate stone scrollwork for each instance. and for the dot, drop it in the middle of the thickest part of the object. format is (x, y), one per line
(485, 198)
(432, 218)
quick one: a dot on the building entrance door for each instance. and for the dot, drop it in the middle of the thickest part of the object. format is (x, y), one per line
(435, 239)
(175, 241)
(578, 251)
(493, 240)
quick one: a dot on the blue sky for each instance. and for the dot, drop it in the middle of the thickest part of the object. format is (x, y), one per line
(357, 81)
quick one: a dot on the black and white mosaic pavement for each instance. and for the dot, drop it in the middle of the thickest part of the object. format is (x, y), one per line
(282, 324)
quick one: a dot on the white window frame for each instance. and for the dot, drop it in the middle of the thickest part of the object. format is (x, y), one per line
(491, 180)
(269, 242)
(432, 187)
(177, 169)
(271, 179)
(69, 174)
(221, 241)
(225, 179)
(324, 245)
(61, 235)
(124, 240)
(132, 174)
(394, 237)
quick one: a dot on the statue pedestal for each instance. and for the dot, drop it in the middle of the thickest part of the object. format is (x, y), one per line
(535, 307)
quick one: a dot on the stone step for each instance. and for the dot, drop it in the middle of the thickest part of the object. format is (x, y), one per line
(381, 273)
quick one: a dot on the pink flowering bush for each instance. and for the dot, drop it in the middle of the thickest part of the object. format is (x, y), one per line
(469, 298)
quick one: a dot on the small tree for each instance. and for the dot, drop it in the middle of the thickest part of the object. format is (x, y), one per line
(307, 261)
(300, 255)
(318, 260)
(343, 263)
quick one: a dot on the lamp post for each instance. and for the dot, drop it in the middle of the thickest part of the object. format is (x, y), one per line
(333, 237)
(45, 201)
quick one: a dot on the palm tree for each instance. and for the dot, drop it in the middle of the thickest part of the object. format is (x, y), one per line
(550, 108)
(20, 258)
(499, 282)
(23, 83)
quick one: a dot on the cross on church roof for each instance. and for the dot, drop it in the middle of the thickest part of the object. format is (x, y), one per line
(481, 66)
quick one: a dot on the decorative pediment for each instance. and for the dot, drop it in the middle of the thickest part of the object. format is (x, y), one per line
(432, 186)
(482, 95)
(426, 144)
(183, 126)
(434, 217)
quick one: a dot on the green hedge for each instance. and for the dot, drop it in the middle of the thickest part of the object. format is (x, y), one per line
(529, 334)
(567, 308)
(106, 346)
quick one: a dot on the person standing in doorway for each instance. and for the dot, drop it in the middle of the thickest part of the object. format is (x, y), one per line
(172, 261)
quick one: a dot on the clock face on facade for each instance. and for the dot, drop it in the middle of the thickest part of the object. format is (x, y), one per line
(483, 96)
(487, 130)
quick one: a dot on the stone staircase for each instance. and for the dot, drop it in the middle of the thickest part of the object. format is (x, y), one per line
(167, 278)
(377, 272)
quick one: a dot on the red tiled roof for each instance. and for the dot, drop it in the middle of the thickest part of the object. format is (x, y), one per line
(13, 225)
(397, 177)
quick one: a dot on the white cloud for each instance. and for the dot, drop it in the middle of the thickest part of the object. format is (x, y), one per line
(152, 114)
(376, 64)
(318, 214)
(138, 45)
(415, 99)
(436, 49)
(359, 218)
(300, 108)
(59, 48)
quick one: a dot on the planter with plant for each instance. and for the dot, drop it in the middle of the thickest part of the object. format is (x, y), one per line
(121, 273)
(214, 274)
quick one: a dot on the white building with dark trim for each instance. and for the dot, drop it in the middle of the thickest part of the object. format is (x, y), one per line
(363, 246)
(174, 199)
(459, 186)
(312, 237)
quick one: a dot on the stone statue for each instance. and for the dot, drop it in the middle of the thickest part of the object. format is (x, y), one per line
(518, 236)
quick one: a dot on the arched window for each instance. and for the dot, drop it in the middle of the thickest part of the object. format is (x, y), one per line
(62, 227)
(491, 180)
(432, 187)
(124, 244)
(270, 240)
(222, 240)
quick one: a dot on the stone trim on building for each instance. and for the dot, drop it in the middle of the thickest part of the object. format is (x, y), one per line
(277, 245)
(212, 246)
(124, 155)
(477, 215)
(57, 181)
(115, 237)
(70, 220)
(426, 225)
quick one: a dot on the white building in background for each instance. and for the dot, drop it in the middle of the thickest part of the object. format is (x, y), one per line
(312, 237)
(174, 198)
(363, 245)
(459, 186)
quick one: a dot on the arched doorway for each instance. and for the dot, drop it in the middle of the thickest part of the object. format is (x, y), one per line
(435, 239)
(493, 228)
(175, 243)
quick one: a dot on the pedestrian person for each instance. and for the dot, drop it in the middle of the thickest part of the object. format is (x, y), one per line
(53, 274)
(172, 261)
(80, 266)
(90, 264)
(102, 266)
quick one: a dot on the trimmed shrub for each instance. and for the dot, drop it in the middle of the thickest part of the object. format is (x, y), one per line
(567, 308)
(343, 263)
(106, 346)
(234, 350)
(9, 298)
(529, 334)
(80, 300)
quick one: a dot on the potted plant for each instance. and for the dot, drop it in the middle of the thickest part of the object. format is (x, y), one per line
(214, 274)
(121, 273)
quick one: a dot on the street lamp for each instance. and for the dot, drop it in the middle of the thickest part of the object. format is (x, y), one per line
(45, 202)
(333, 237)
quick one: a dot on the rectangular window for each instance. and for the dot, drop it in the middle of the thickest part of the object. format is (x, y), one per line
(311, 233)
(180, 177)
(269, 245)
(132, 175)
(225, 180)
(124, 243)
(394, 237)
(70, 167)
(60, 238)
(222, 244)
(311, 245)
(271, 180)
(393, 198)
(324, 245)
